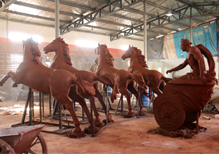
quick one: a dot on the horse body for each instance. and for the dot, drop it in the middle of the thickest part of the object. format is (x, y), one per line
(58, 83)
(118, 80)
(153, 79)
(62, 61)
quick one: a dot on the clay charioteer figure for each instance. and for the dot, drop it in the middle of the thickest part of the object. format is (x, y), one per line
(196, 62)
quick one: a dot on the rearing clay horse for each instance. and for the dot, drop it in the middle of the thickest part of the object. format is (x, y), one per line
(62, 60)
(138, 67)
(118, 80)
(32, 73)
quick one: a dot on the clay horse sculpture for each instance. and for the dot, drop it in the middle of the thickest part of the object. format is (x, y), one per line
(62, 60)
(138, 67)
(32, 73)
(183, 99)
(118, 80)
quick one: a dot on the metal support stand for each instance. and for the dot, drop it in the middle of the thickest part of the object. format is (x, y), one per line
(91, 112)
(120, 102)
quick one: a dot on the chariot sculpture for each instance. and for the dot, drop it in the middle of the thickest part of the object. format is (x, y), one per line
(183, 99)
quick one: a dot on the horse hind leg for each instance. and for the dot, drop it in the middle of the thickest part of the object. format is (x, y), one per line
(76, 133)
(74, 96)
(132, 89)
(124, 92)
(99, 96)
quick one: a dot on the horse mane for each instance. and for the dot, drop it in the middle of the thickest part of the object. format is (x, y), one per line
(65, 51)
(108, 56)
(141, 57)
(36, 53)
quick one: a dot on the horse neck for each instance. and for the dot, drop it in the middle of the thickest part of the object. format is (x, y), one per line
(59, 56)
(134, 60)
(102, 59)
(27, 54)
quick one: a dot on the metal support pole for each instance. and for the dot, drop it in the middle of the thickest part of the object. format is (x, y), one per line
(191, 24)
(32, 102)
(26, 105)
(145, 31)
(43, 104)
(30, 107)
(91, 112)
(60, 116)
(40, 104)
(106, 104)
(57, 18)
(50, 105)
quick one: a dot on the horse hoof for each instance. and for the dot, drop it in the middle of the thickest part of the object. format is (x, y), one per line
(88, 130)
(142, 113)
(14, 85)
(76, 134)
(99, 124)
(1, 84)
(109, 121)
(129, 115)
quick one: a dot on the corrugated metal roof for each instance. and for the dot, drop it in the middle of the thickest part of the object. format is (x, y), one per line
(115, 18)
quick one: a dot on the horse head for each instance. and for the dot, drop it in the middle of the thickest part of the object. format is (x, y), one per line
(31, 50)
(128, 53)
(53, 46)
(104, 54)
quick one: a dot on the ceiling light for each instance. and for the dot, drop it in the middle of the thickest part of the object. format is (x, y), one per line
(169, 14)
(124, 47)
(159, 36)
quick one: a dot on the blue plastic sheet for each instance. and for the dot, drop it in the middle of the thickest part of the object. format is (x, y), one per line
(201, 35)
(155, 48)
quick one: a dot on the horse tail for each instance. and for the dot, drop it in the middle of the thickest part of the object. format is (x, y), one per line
(166, 80)
(86, 87)
(138, 77)
(107, 79)
(114, 92)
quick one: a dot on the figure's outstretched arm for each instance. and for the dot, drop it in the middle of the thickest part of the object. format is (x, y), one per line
(179, 67)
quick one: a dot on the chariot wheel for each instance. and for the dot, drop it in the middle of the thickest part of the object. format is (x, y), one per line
(168, 113)
(5, 148)
(38, 146)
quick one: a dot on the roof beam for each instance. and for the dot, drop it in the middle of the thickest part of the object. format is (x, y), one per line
(35, 16)
(46, 9)
(83, 7)
(113, 7)
(196, 6)
(7, 5)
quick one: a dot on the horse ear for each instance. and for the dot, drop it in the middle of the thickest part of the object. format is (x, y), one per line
(129, 46)
(98, 44)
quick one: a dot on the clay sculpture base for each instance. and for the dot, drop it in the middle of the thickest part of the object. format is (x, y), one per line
(187, 130)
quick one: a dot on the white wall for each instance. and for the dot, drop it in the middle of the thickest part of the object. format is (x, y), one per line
(48, 35)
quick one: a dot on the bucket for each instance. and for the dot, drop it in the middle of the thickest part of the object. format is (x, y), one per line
(144, 100)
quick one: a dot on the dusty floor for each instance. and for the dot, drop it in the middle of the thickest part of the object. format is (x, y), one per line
(129, 136)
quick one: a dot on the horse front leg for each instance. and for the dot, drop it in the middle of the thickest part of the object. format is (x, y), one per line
(99, 96)
(6, 77)
(97, 120)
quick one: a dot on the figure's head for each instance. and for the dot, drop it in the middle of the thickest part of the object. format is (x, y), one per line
(185, 43)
